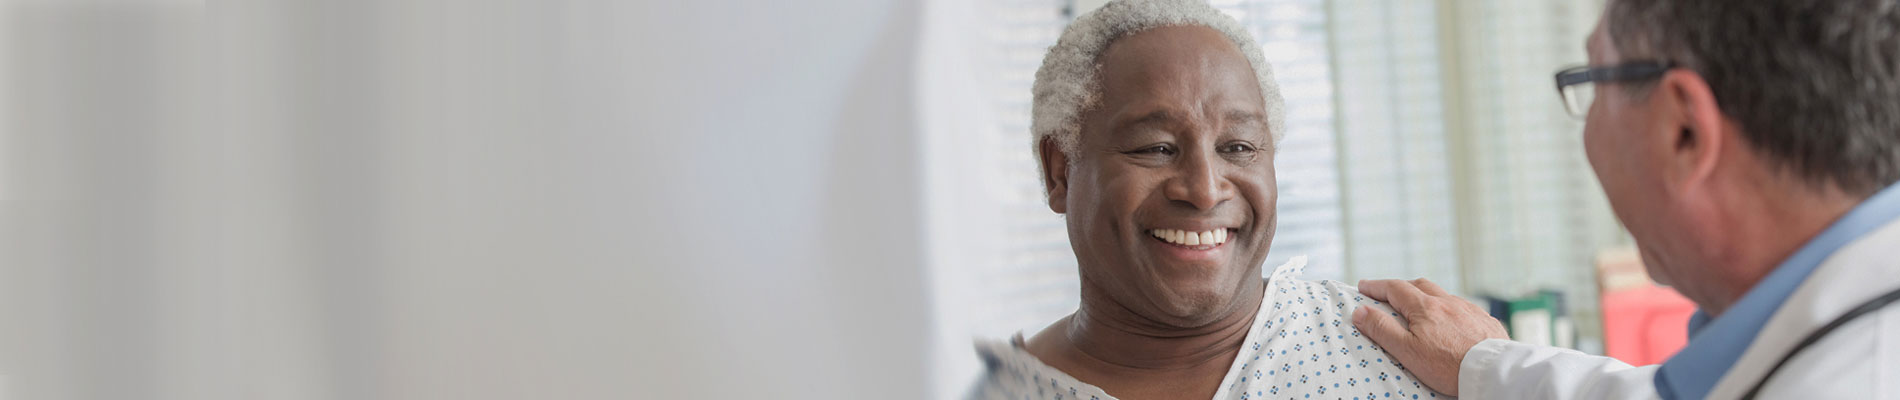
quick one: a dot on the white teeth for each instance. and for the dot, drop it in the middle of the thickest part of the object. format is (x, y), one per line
(1176, 236)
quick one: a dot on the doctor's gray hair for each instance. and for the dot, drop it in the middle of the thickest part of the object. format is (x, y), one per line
(1067, 84)
(1815, 85)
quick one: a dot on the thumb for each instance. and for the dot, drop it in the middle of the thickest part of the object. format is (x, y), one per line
(1381, 328)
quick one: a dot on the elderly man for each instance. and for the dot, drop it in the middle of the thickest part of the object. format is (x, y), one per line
(1751, 148)
(1155, 124)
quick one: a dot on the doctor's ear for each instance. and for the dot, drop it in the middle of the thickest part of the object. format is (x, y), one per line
(1701, 128)
(1055, 174)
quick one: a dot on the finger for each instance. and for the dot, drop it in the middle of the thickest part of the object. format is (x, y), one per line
(1379, 289)
(1381, 328)
(1406, 299)
(1427, 286)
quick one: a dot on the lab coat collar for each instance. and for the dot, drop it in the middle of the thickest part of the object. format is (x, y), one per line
(1718, 344)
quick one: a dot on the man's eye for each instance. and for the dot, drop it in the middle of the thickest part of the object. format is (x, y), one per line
(1236, 148)
(1156, 150)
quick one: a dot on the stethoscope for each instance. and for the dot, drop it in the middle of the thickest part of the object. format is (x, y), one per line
(1862, 309)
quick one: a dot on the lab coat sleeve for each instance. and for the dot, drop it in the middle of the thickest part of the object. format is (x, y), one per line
(1503, 369)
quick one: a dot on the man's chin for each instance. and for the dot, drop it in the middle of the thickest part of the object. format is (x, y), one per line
(1197, 306)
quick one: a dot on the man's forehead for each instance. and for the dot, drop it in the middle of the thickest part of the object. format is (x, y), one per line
(1597, 45)
(1170, 41)
(1590, 43)
(1168, 75)
(1152, 113)
(1165, 57)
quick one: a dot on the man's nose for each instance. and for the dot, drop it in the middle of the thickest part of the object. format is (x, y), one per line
(1199, 182)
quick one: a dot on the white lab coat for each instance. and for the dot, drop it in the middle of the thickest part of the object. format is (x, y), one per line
(1859, 360)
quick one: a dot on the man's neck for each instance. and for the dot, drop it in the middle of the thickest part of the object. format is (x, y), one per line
(1113, 335)
(1769, 232)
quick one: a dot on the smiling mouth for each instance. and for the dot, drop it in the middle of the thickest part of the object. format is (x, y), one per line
(1202, 240)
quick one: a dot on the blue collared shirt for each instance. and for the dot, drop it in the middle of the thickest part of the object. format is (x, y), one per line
(1715, 344)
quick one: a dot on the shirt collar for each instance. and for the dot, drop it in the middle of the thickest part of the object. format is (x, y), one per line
(1716, 343)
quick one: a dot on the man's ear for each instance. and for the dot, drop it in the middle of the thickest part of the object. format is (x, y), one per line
(1055, 174)
(1695, 147)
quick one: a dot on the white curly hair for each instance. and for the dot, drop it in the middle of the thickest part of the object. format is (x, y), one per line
(1067, 85)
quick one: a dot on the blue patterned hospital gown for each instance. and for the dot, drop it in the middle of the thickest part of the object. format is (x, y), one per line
(1302, 346)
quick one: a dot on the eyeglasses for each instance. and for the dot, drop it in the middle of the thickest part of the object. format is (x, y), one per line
(1577, 85)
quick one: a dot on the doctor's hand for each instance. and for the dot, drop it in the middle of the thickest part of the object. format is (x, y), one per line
(1439, 328)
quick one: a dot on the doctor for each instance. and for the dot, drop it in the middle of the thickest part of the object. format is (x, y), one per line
(1751, 149)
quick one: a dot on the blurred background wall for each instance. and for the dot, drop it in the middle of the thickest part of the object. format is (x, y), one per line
(684, 199)
(460, 200)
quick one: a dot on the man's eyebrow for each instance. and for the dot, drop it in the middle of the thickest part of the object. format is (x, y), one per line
(1237, 117)
(1167, 116)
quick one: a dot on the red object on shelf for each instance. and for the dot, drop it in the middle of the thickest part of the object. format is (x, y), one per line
(1645, 324)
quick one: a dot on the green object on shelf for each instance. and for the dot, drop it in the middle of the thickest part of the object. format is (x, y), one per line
(1540, 319)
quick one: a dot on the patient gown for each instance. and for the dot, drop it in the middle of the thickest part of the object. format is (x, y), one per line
(1302, 346)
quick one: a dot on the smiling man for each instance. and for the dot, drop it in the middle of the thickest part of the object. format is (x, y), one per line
(1156, 124)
